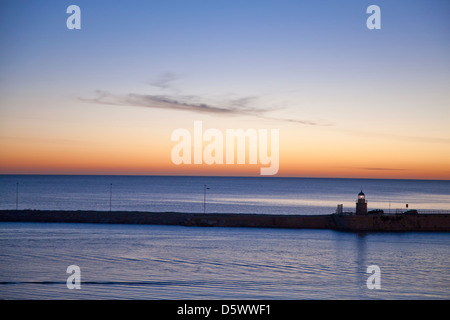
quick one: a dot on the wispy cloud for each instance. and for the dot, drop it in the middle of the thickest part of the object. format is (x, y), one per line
(385, 169)
(240, 106)
(169, 97)
(183, 103)
(398, 137)
(306, 122)
(165, 81)
(374, 168)
(38, 140)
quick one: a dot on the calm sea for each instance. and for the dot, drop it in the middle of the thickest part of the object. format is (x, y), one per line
(172, 262)
(225, 194)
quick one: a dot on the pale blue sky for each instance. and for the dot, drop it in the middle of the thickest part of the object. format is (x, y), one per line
(220, 44)
(308, 61)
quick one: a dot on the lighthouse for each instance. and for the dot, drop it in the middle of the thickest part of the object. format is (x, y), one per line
(361, 204)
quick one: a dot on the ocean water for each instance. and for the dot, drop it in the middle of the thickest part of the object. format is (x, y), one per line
(174, 262)
(265, 195)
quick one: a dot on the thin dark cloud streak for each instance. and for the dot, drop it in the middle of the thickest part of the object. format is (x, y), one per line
(385, 169)
(168, 102)
(397, 137)
(295, 121)
(374, 169)
(241, 106)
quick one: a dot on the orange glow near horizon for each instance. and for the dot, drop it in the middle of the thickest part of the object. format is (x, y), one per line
(226, 170)
(305, 160)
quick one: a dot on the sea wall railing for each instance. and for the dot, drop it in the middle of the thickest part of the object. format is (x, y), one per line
(402, 211)
(420, 211)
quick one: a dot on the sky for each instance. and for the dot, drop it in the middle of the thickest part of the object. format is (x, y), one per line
(105, 99)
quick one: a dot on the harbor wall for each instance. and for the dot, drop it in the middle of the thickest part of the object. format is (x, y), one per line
(365, 223)
(393, 222)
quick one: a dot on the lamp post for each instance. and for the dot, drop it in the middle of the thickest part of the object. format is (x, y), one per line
(17, 196)
(204, 198)
(110, 196)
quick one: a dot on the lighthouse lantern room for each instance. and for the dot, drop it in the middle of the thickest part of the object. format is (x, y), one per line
(361, 204)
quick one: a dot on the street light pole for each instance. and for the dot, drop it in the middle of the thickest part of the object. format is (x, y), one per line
(204, 198)
(110, 196)
(17, 196)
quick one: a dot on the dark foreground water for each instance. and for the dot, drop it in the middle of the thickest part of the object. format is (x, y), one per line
(171, 262)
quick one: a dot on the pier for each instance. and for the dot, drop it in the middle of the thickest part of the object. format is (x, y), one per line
(342, 222)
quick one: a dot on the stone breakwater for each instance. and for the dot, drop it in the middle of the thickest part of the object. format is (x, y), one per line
(366, 223)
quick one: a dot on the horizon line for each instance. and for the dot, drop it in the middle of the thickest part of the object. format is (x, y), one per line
(211, 176)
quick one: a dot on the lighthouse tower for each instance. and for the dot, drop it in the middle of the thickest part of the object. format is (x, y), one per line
(361, 204)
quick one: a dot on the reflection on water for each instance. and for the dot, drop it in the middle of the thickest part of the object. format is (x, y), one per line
(168, 262)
